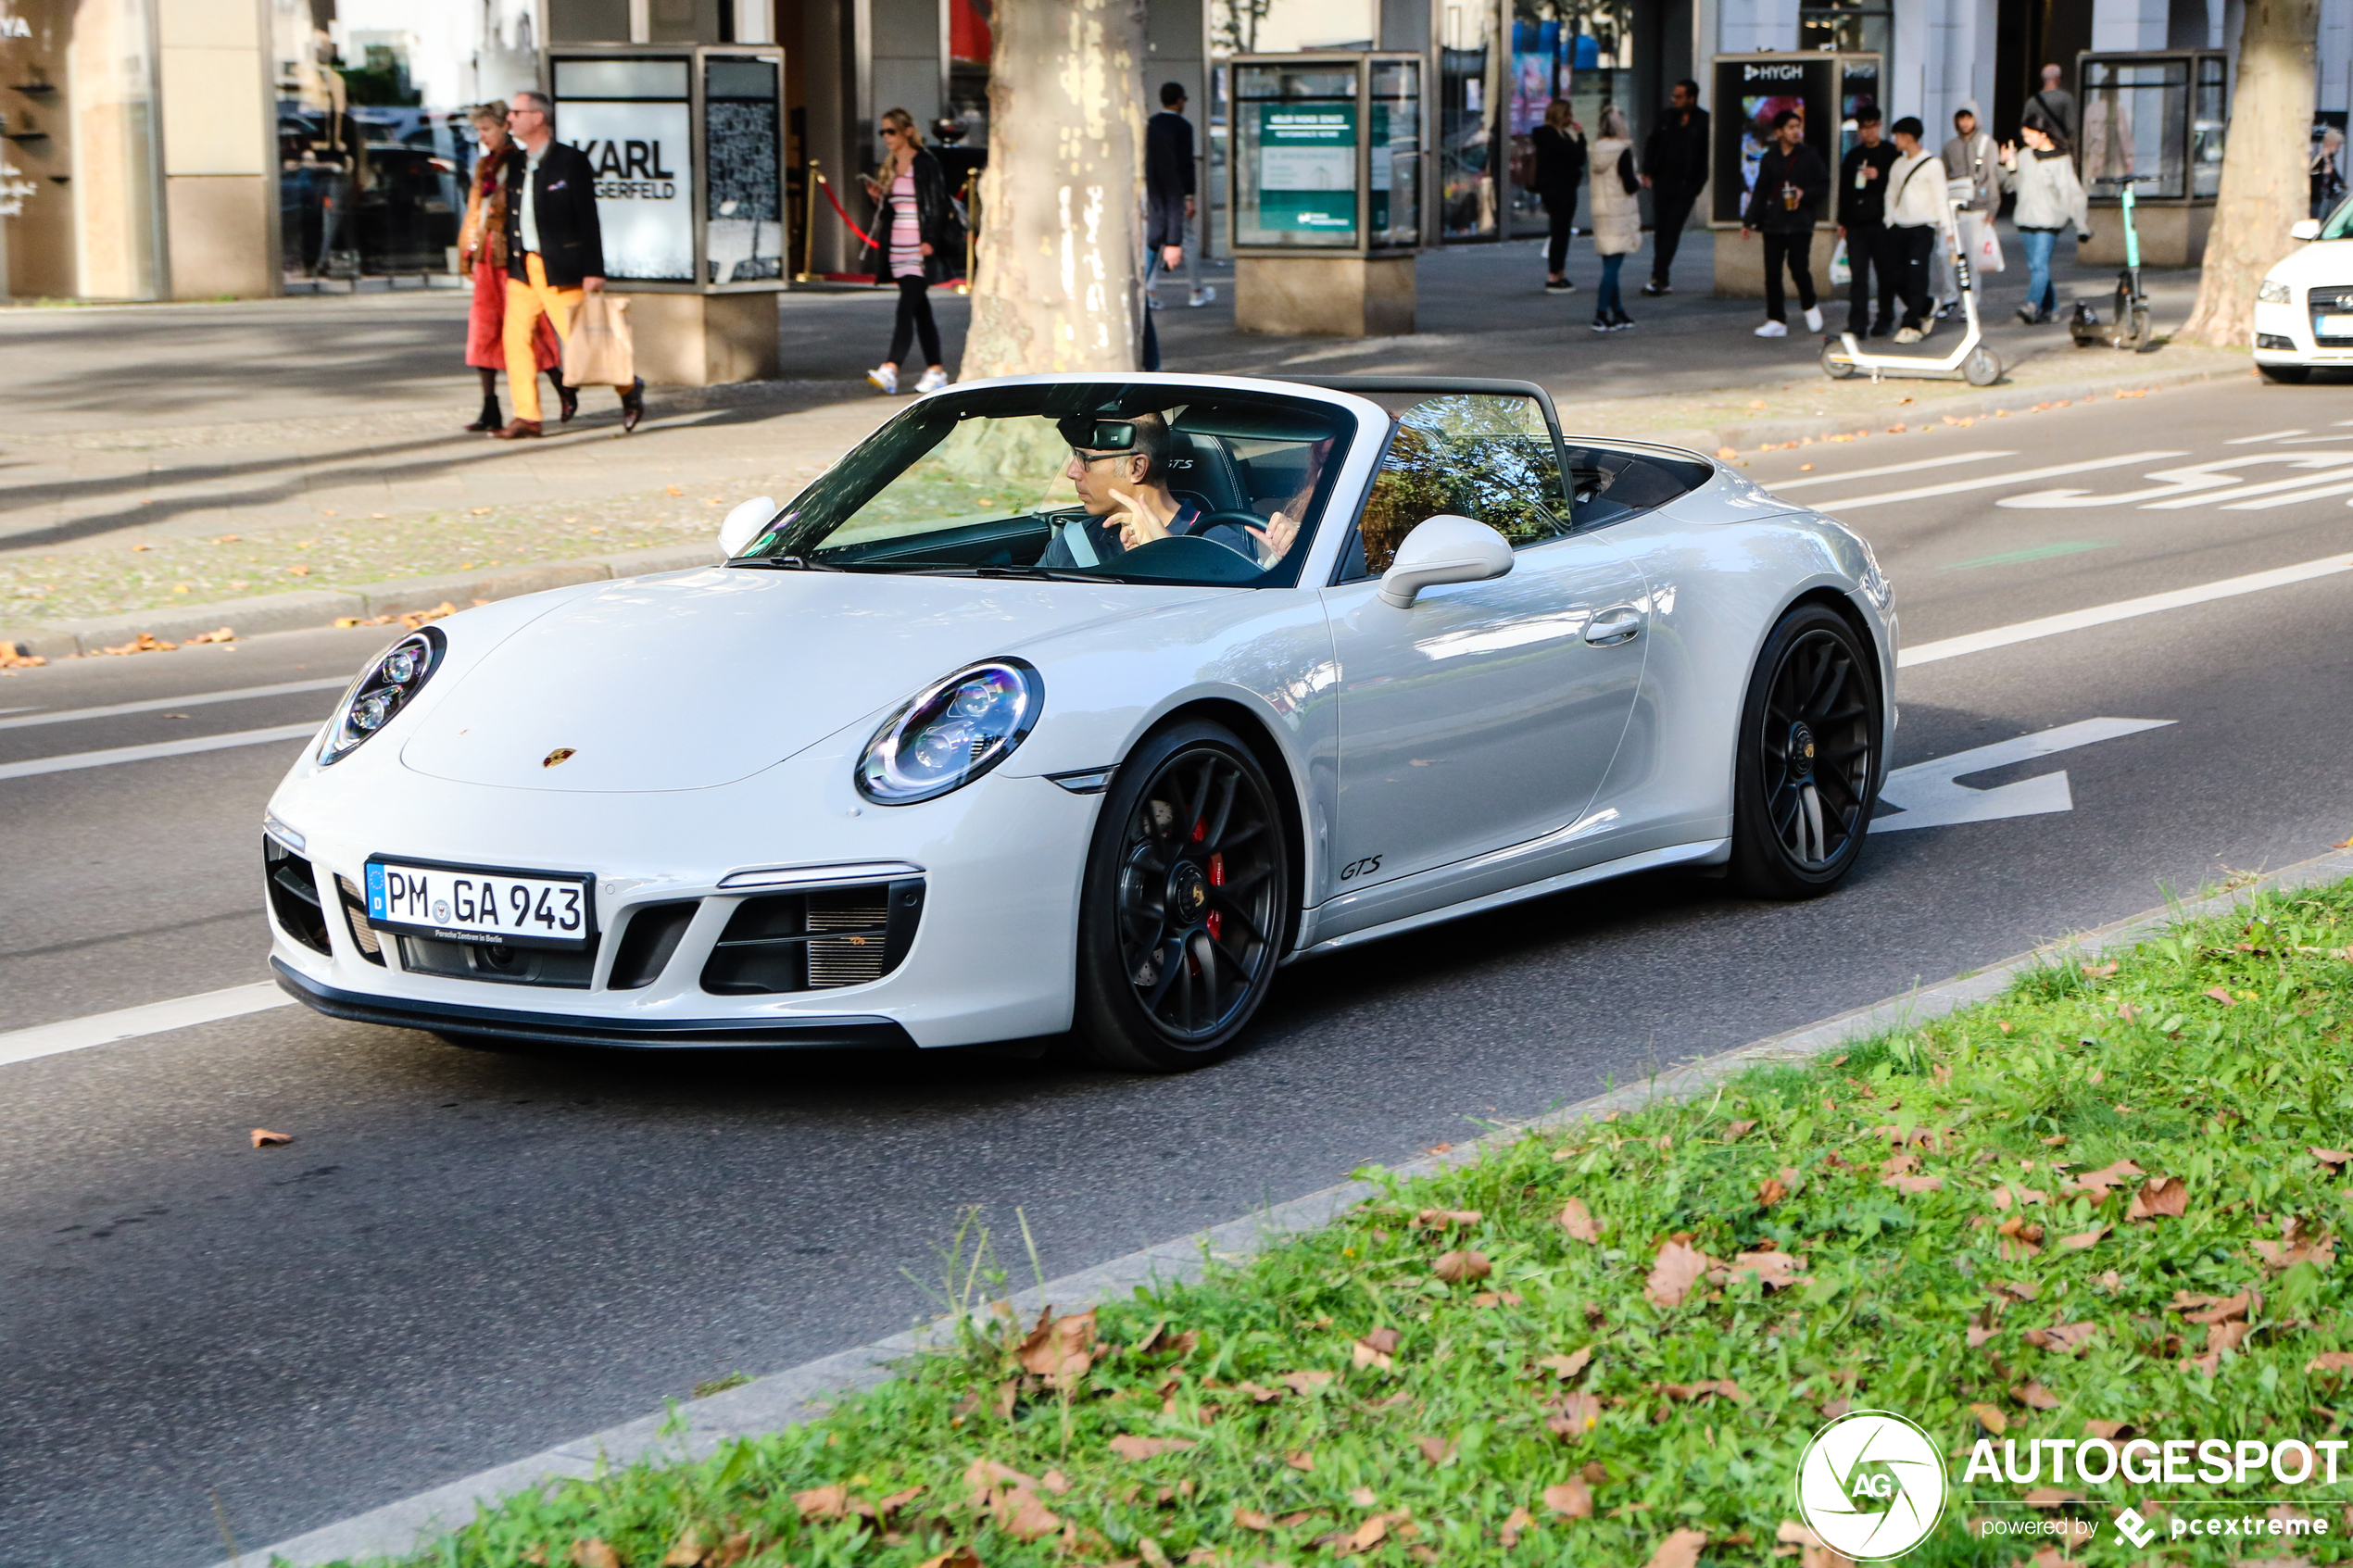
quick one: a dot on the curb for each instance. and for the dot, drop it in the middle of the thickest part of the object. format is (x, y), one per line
(302, 611)
(691, 1430)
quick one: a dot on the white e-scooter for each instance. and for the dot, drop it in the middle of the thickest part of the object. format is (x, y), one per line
(1970, 359)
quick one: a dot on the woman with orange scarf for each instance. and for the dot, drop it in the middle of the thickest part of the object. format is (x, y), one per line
(482, 250)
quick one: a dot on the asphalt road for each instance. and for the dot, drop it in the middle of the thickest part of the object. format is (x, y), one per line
(465, 1257)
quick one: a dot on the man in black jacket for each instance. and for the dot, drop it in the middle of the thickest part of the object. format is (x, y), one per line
(1674, 168)
(1862, 223)
(1790, 183)
(555, 254)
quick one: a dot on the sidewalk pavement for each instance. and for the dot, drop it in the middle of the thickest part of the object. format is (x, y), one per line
(172, 462)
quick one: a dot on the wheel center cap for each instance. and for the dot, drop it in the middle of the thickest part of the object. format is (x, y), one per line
(1801, 751)
(1188, 892)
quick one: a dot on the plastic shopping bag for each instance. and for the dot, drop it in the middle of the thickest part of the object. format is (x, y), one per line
(1980, 242)
(1842, 270)
(599, 352)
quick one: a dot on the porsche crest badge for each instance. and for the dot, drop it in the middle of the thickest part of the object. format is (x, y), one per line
(562, 754)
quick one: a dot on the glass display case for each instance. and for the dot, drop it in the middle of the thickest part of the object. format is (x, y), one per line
(2158, 114)
(1326, 154)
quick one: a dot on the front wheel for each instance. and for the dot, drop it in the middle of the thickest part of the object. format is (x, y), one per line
(1807, 767)
(1835, 364)
(2135, 330)
(1982, 368)
(1186, 905)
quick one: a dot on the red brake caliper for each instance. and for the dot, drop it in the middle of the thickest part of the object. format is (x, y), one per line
(1217, 920)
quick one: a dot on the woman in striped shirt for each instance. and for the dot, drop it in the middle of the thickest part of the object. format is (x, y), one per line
(917, 227)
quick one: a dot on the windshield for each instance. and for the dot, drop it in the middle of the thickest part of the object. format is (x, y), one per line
(2340, 223)
(1108, 481)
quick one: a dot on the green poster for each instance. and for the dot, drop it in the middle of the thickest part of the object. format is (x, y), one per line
(1307, 167)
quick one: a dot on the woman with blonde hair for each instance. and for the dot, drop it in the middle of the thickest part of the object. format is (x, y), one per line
(1559, 145)
(1617, 216)
(916, 224)
(482, 251)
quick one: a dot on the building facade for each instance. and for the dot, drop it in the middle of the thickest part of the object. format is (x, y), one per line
(197, 150)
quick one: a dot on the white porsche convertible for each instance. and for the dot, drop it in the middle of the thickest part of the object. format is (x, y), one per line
(1076, 706)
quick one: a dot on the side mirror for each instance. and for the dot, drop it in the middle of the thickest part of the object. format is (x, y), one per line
(1444, 549)
(2305, 228)
(741, 526)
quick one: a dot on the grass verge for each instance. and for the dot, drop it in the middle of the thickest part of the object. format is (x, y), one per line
(2103, 1204)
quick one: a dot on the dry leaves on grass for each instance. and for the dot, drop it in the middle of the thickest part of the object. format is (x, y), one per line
(1515, 1524)
(1774, 1189)
(2301, 1241)
(2062, 1339)
(2221, 996)
(594, 1554)
(2082, 1240)
(1437, 1450)
(264, 1138)
(1678, 1267)
(1305, 1382)
(2331, 1361)
(1577, 1221)
(1991, 1418)
(2097, 1183)
(1914, 1183)
(1569, 1367)
(1680, 1549)
(1714, 1388)
(1735, 1131)
(1570, 1499)
(954, 1556)
(1575, 1415)
(1442, 1219)
(2197, 1308)
(1456, 1267)
(1798, 1541)
(2034, 1396)
(1377, 1348)
(1250, 1519)
(1059, 1349)
(1160, 1342)
(1149, 1448)
(2334, 1158)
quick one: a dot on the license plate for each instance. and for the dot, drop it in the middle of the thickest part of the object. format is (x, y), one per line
(481, 904)
(2333, 326)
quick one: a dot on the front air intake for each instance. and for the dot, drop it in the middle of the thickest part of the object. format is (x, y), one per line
(815, 941)
(294, 895)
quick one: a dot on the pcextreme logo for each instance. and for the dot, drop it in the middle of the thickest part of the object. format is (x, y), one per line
(1871, 1485)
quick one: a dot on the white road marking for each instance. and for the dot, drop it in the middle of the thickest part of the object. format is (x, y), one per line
(2267, 436)
(152, 705)
(2330, 466)
(2123, 610)
(1945, 461)
(2187, 485)
(1930, 799)
(1993, 481)
(105, 1028)
(162, 749)
(2339, 488)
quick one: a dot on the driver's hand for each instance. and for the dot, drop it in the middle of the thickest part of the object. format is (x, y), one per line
(1275, 540)
(1137, 526)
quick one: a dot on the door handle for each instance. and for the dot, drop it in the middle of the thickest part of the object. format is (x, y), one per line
(1613, 627)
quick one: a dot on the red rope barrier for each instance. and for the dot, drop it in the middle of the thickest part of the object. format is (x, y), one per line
(846, 221)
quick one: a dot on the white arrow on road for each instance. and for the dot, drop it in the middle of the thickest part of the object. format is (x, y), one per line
(1930, 797)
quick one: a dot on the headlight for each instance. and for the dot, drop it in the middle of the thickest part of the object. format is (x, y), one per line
(954, 731)
(388, 687)
(2273, 292)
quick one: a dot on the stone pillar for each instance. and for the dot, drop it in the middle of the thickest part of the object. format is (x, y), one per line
(218, 150)
(704, 339)
(1325, 295)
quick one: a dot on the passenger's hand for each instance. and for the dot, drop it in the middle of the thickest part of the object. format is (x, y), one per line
(1275, 539)
(1136, 525)
(592, 285)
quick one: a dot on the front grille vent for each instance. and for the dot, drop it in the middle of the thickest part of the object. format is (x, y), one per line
(355, 915)
(647, 942)
(496, 961)
(294, 895)
(815, 941)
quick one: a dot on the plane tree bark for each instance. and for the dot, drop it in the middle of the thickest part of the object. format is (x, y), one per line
(1056, 283)
(2265, 185)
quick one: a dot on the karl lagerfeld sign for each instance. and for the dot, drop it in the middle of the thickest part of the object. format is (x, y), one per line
(645, 184)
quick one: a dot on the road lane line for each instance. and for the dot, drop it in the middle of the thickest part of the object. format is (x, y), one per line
(1993, 481)
(2267, 436)
(2123, 610)
(106, 1028)
(162, 749)
(154, 705)
(1946, 461)
(2339, 488)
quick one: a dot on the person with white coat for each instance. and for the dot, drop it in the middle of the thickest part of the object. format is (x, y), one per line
(1918, 214)
(1617, 216)
(2050, 199)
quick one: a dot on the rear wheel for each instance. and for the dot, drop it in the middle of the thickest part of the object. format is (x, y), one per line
(2286, 375)
(1185, 903)
(1807, 767)
(1982, 368)
(1835, 364)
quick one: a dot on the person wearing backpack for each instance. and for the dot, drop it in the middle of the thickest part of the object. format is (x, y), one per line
(1617, 216)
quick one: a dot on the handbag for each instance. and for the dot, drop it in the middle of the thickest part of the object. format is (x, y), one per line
(1628, 180)
(1842, 269)
(599, 352)
(1980, 242)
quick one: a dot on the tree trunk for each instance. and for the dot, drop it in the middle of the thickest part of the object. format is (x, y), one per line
(1061, 231)
(2265, 188)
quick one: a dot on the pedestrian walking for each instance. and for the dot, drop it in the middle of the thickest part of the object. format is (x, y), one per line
(1862, 223)
(1971, 156)
(1918, 211)
(1559, 144)
(2327, 172)
(1784, 206)
(482, 252)
(2058, 106)
(2050, 199)
(555, 254)
(919, 230)
(1168, 205)
(1675, 169)
(1617, 216)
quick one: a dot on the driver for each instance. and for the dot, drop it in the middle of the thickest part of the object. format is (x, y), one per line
(1120, 469)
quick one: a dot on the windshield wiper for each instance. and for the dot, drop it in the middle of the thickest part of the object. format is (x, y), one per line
(783, 563)
(1031, 573)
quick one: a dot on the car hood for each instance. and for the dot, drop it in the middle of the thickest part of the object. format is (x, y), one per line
(700, 679)
(2318, 262)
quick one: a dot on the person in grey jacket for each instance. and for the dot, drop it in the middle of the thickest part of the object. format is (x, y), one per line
(1970, 156)
(2050, 199)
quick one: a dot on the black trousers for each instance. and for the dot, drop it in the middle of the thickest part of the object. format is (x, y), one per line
(1796, 252)
(1873, 274)
(1556, 242)
(1669, 211)
(1909, 250)
(915, 321)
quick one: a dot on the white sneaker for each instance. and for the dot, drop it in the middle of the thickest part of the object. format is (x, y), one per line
(1813, 317)
(933, 380)
(885, 377)
(1773, 329)
(1909, 335)
(1205, 295)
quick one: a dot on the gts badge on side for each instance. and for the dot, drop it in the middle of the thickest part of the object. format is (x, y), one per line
(1355, 869)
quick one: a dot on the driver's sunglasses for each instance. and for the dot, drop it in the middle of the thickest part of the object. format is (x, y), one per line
(1085, 459)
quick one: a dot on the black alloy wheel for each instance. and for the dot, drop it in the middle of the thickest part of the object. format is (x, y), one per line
(1808, 765)
(1186, 903)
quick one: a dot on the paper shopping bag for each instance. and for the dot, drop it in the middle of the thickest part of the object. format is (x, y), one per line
(1842, 269)
(600, 351)
(1980, 242)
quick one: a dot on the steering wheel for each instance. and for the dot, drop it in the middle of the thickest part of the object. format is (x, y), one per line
(1190, 558)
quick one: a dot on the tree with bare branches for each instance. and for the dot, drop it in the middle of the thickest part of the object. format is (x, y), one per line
(1061, 202)
(2264, 181)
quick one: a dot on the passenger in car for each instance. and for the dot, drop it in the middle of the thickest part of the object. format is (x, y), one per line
(1120, 469)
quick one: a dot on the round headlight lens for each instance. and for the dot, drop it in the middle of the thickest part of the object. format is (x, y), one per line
(953, 731)
(382, 691)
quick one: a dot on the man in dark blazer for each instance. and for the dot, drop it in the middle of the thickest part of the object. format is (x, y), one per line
(554, 253)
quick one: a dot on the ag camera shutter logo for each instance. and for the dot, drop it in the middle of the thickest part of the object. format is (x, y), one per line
(1871, 1485)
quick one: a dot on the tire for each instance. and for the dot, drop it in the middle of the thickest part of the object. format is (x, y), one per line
(1807, 767)
(2136, 330)
(1982, 368)
(1190, 867)
(1835, 364)
(2286, 375)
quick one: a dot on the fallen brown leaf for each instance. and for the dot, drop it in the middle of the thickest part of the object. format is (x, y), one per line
(1579, 1222)
(954, 1556)
(2062, 1339)
(2164, 1197)
(145, 642)
(1772, 1191)
(1059, 1349)
(1991, 1418)
(2107, 1176)
(1022, 1514)
(1569, 1367)
(1377, 1348)
(1437, 1450)
(1128, 1447)
(1258, 1395)
(1680, 1549)
(1735, 1131)
(1456, 1267)
(2050, 1496)
(687, 1550)
(264, 1138)
(2213, 1308)
(1160, 1342)
(2221, 996)
(1717, 1387)
(1577, 1414)
(1517, 1522)
(825, 1502)
(1915, 1184)
(1250, 1519)
(1304, 1382)
(594, 1554)
(2097, 971)
(2334, 1158)
(1678, 1268)
(1570, 1499)
(2034, 1396)
(2331, 1361)
(1440, 1219)
(2082, 1240)
(1808, 1548)
(220, 635)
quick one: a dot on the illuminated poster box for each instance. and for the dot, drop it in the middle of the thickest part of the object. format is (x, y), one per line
(1330, 157)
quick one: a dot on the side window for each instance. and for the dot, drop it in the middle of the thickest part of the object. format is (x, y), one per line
(1606, 484)
(1485, 457)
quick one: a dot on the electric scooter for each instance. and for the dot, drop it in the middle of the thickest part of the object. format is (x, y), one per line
(2129, 328)
(1970, 358)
